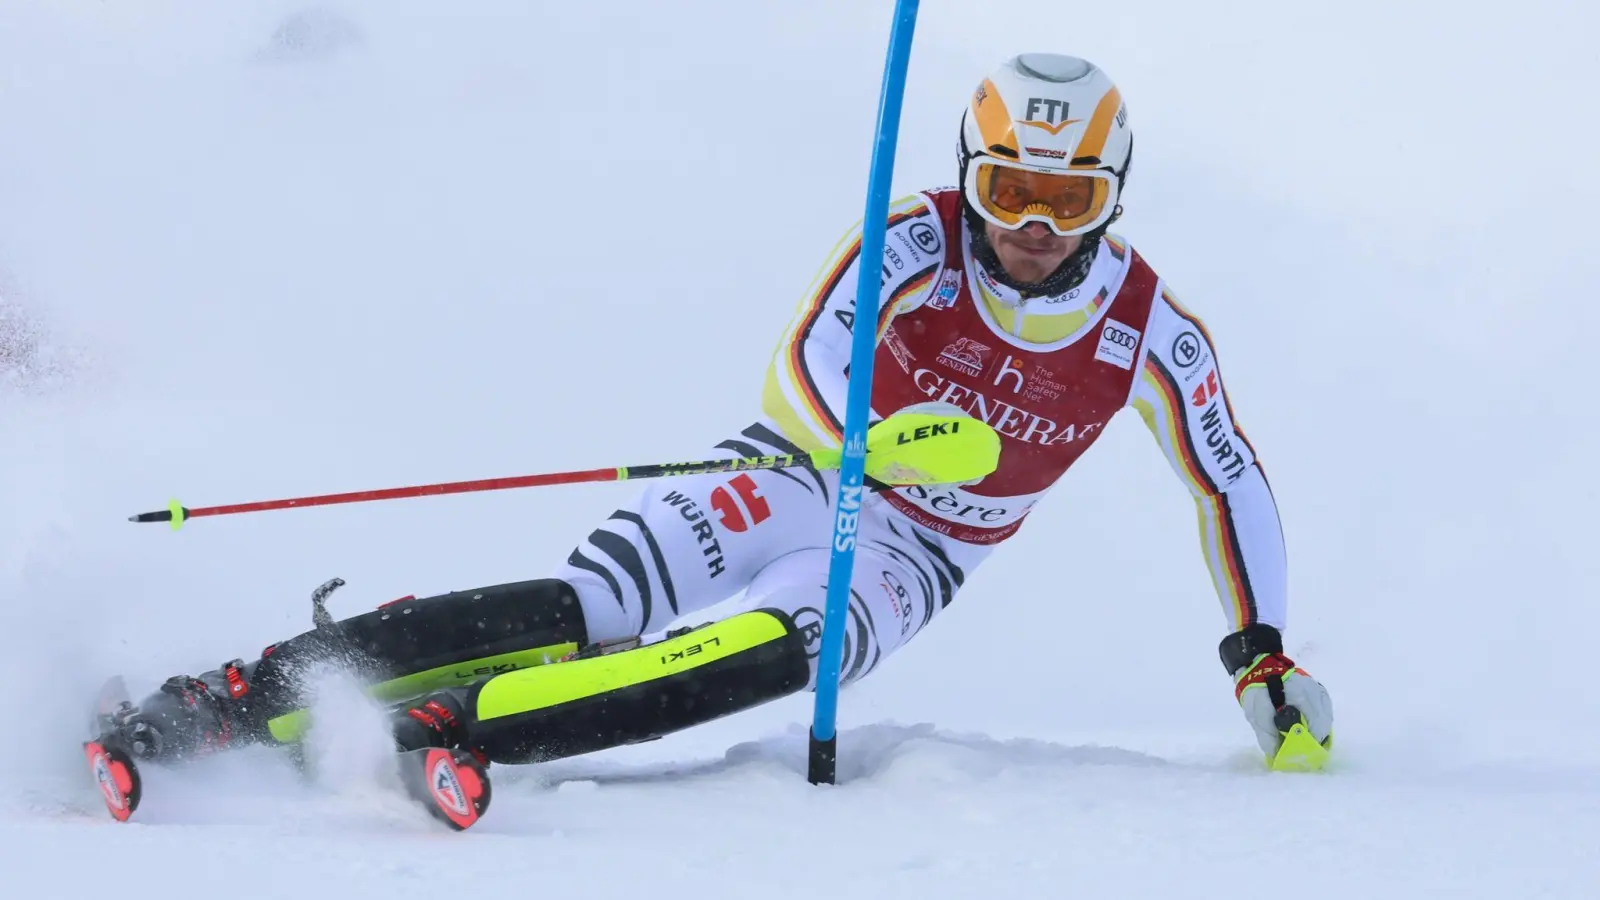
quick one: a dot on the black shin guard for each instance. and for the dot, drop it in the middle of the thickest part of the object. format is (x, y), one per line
(637, 695)
(414, 645)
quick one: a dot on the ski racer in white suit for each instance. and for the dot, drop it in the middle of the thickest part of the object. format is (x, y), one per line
(1004, 297)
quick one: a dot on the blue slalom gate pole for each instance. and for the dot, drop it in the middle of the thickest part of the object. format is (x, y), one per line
(847, 507)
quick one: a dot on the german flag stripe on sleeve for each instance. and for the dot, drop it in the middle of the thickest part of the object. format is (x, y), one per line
(1219, 541)
(1225, 559)
(1172, 425)
(816, 409)
(1119, 249)
(916, 284)
(1199, 326)
(799, 372)
(782, 396)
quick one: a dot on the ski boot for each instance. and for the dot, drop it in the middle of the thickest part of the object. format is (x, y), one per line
(436, 720)
(448, 777)
(186, 717)
(183, 719)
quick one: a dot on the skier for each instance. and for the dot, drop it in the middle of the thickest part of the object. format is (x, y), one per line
(1005, 298)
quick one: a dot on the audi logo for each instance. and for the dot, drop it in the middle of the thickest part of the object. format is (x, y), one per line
(1115, 335)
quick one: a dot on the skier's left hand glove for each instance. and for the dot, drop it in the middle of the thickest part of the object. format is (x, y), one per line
(1290, 711)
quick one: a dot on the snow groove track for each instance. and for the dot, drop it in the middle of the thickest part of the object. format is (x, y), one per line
(921, 810)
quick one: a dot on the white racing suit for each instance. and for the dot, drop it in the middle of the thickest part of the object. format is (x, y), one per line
(695, 541)
(1046, 372)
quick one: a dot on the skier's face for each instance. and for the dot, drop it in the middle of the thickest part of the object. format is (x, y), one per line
(1031, 252)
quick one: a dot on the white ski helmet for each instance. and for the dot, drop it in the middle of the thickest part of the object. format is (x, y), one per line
(1046, 139)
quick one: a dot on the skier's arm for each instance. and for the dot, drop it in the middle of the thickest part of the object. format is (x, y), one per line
(805, 385)
(1180, 394)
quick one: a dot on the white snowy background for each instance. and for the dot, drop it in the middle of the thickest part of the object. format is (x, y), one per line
(253, 250)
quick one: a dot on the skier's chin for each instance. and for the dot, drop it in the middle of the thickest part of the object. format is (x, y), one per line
(1029, 271)
(1031, 255)
(1030, 266)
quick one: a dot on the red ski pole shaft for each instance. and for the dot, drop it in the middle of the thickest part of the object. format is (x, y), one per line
(178, 514)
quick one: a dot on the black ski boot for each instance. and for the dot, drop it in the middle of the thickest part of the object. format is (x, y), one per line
(437, 720)
(187, 717)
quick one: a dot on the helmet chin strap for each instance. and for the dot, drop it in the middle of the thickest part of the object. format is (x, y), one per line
(1067, 276)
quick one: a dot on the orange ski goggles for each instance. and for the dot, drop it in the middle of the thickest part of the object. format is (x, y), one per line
(1011, 195)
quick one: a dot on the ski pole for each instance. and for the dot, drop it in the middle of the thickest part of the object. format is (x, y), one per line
(177, 514)
(855, 434)
(908, 448)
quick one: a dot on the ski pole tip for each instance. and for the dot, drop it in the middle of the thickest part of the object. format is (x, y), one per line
(175, 513)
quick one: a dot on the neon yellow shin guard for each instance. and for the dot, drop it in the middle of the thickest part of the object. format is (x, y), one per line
(585, 705)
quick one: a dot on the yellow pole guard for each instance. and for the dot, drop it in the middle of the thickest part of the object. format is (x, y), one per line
(931, 448)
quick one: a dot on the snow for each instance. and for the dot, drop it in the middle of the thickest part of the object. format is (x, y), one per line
(280, 248)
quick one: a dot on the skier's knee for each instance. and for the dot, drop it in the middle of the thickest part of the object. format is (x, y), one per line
(804, 605)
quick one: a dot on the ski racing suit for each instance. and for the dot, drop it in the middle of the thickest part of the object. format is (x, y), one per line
(1047, 373)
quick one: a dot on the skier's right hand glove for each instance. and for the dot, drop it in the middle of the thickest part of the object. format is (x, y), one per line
(1289, 710)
